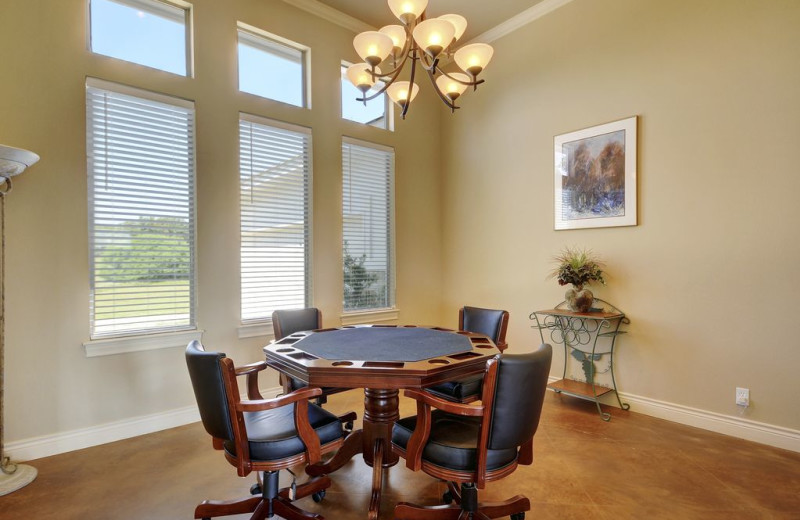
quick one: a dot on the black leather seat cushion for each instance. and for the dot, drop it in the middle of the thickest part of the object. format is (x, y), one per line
(458, 390)
(452, 442)
(272, 433)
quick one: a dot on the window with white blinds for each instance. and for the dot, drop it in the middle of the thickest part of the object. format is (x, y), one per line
(140, 152)
(368, 225)
(275, 195)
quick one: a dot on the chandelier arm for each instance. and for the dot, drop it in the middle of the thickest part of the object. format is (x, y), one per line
(467, 83)
(414, 59)
(444, 98)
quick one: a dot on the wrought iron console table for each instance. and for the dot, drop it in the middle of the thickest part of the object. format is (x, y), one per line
(580, 333)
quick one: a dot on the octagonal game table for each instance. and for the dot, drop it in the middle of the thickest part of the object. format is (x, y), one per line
(381, 360)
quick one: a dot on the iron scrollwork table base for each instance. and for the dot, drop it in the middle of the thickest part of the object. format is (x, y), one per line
(579, 333)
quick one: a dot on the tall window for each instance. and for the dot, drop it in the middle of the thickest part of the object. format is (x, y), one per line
(140, 152)
(374, 113)
(275, 180)
(272, 67)
(368, 225)
(155, 33)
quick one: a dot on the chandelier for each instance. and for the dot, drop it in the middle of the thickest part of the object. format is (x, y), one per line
(419, 39)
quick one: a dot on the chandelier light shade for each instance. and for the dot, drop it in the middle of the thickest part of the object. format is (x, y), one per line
(420, 40)
(474, 58)
(398, 35)
(454, 85)
(458, 21)
(433, 35)
(361, 76)
(407, 11)
(402, 92)
(373, 47)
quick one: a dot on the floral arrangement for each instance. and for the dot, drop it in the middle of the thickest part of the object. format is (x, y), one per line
(578, 267)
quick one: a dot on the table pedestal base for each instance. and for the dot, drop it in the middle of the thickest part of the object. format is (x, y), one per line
(373, 441)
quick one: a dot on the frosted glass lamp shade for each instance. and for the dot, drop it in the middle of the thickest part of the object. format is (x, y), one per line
(451, 88)
(434, 35)
(373, 46)
(361, 77)
(14, 161)
(398, 35)
(473, 58)
(458, 21)
(407, 10)
(402, 93)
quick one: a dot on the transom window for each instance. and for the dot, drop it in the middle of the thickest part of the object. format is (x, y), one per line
(376, 111)
(148, 32)
(272, 67)
(140, 154)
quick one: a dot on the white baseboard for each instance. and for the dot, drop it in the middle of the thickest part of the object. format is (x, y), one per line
(762, 433)
(48, 445)
(740, 427)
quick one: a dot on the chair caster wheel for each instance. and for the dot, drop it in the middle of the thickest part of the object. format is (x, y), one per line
(518, 516)
(318, 496)
(255, 489)
(447, 498)
(348, 426)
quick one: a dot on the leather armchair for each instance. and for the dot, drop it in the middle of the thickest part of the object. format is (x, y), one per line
(471, 445)
(258, 434)
(490, 322)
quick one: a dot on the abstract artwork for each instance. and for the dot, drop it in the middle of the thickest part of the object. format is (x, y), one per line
(595, 176)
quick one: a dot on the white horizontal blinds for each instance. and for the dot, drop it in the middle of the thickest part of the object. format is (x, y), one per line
(140, 149)
(275, 178)
(367, 212)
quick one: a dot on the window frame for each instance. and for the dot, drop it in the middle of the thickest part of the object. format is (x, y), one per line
(143, 339)
(272, 42)
(261, 326)
(390, 312)
(152, 6)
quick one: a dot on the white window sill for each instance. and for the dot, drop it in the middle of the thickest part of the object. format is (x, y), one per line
(123, 345)
(261, 329)
(371, 316)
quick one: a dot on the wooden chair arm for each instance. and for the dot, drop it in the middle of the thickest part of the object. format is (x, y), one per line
(300, 399)
(251, 371)
(443, 404)
(258, 405)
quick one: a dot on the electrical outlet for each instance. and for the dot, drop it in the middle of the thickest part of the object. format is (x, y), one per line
(742, 397)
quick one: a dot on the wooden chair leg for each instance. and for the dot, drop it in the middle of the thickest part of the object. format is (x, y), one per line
(213, 508)
(514, 505)
(409, 511)
(289, 511)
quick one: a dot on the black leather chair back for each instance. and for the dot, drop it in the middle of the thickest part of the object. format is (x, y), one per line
(483, 321)
(519, 394)
(209, 390)
(287, 322)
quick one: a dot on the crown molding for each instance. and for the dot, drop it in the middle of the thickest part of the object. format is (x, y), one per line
(515, 22)
(332, 15)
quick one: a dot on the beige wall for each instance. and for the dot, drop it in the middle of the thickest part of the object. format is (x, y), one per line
(709, 276)
(51, 387)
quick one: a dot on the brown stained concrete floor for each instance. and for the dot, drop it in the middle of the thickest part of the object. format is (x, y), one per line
(633, 467)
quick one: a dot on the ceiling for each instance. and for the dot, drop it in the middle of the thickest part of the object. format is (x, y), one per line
(481, 15)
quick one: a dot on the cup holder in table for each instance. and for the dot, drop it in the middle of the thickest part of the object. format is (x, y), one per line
(284, 350)
(289, 340)
(438, 362)
(342, 363)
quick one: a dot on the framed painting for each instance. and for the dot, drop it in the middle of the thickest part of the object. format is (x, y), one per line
(595, 176)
